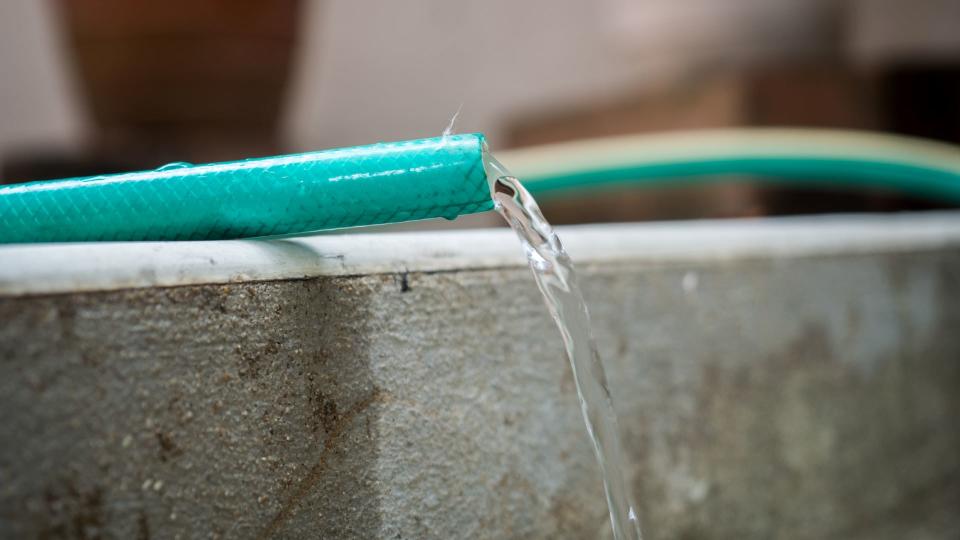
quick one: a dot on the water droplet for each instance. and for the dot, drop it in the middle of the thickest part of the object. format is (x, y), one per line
(175, 165)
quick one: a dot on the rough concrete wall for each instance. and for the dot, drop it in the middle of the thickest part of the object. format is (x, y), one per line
(765, 398)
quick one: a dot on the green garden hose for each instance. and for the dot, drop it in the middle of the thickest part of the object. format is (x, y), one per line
(823, 157)
(366, 185)
(444, 177)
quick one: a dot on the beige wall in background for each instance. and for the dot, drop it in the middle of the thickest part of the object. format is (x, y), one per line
(38, 100)
(373, 70)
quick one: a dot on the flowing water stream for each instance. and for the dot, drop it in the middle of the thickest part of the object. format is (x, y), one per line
(555, 276)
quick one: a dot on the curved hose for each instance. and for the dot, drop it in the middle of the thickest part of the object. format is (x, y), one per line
(365, 185)
(824, 157)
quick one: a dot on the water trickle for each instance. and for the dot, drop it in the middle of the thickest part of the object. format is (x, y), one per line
(554, 273)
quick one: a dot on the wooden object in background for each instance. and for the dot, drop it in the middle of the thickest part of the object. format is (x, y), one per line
(206, 78)
(814, 96)
(805, 96)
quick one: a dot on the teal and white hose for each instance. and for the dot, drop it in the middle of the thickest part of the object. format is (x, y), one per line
(823, 157)
(444, 177)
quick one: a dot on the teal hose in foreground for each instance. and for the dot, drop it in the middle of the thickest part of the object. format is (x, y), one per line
(365, 185)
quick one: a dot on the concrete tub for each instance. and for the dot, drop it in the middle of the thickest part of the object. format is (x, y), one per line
(793, 378)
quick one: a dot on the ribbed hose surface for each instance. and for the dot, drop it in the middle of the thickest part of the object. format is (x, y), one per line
(365, 185)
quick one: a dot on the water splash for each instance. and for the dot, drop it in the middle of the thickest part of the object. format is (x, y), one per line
(555, 276)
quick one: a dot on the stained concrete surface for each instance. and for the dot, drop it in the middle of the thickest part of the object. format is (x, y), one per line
(767, 397)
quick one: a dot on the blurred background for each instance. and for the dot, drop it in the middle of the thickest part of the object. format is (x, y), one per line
(95, 86)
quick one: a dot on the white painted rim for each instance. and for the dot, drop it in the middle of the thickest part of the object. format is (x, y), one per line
(30, 269)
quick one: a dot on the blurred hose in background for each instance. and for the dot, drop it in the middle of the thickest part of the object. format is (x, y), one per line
(825, 158)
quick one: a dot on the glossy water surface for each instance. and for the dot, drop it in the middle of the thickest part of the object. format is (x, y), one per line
(555, 276)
